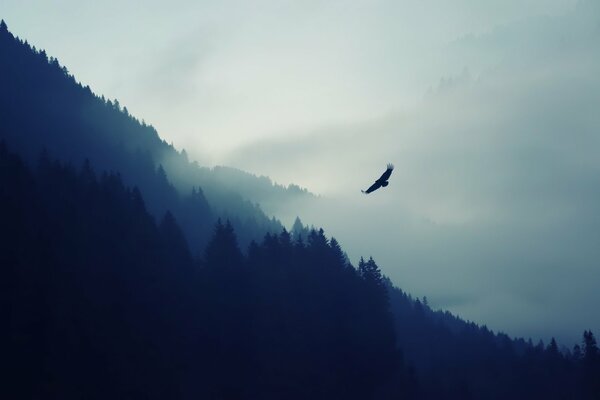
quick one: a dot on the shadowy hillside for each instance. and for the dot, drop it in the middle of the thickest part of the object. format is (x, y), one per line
(42, 106)
(106, 303)
(100, 301)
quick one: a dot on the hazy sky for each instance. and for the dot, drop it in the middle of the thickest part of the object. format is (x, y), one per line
(214, 75)
(488, 109)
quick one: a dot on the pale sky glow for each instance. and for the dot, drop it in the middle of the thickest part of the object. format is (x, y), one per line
(213, 76)
(488, 109)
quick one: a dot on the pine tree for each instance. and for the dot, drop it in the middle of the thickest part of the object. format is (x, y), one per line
(299, 232)
(339, 259)
(176, 249)
(590, 347)
(552, 349)
(591, 365)
(370, 273)
(223, 251)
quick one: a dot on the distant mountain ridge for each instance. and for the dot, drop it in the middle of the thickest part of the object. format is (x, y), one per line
(274, 199)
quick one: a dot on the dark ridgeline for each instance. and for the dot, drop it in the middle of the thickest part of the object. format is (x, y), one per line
(101, 301)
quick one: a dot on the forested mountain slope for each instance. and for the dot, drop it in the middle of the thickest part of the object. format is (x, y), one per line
(43, 107)
(100, 301)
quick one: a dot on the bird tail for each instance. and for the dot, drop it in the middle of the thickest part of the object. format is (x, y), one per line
(390, 166)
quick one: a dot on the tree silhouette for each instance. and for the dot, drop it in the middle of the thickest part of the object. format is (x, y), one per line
(591, 365)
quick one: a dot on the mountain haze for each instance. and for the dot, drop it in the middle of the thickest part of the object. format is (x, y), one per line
(130, 272)
(43, 107)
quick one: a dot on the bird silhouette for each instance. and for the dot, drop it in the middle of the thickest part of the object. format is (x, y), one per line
(382, 181)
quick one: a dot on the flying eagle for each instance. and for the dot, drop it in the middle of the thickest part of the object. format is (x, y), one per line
(382, 181)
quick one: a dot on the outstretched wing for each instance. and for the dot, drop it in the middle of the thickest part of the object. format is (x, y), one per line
(373, 187)
(386, 175)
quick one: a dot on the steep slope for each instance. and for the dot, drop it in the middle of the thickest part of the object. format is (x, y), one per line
(42, 106)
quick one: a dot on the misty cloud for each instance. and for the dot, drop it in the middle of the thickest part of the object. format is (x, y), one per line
(495, 197)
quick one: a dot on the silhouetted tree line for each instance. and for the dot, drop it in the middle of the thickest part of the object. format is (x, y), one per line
(100, 301)
(458, 359)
